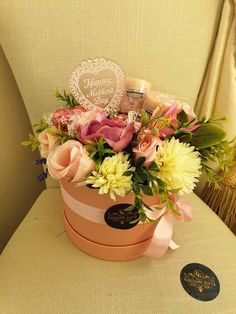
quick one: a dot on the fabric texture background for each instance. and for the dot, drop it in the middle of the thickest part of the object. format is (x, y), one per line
(41, 270)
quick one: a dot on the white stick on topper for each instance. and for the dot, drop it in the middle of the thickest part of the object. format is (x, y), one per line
(98, 84)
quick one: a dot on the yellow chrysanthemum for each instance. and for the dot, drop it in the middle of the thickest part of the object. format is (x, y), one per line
(179, 165)
(110, 179)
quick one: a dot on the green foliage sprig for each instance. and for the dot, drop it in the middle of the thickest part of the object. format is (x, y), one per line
(223, 154)
(98, 150)
(67, 98)
(209, 140)
(64, 136)
(41, 125)
(145, 182)
(32, 142)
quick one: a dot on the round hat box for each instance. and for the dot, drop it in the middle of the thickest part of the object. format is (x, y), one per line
(101, 227)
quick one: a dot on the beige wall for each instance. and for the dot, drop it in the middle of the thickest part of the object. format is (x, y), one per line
(18, 186)
(167, 42)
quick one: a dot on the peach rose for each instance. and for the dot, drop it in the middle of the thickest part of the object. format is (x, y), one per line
(47, 142)
(70, 161)
(146, 147)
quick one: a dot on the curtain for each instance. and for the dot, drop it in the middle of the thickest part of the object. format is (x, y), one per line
(217, 94)
(218, 91)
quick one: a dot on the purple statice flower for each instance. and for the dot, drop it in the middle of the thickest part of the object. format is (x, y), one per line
(42, 176)
(41, 161)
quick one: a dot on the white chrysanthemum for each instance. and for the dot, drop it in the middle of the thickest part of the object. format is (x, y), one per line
(110, 179)
(179, 165)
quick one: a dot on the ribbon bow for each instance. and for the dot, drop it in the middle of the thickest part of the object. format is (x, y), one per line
(162, 237)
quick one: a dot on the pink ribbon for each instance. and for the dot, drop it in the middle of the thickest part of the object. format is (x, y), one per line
(162, 237)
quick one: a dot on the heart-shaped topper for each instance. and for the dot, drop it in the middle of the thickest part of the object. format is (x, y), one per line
(98, 84)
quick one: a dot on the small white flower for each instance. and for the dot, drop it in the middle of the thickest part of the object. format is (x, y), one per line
(110, 176)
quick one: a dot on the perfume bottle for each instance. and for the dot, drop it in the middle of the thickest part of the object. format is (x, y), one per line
(133, 99)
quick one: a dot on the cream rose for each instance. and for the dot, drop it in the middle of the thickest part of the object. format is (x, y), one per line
(47, 142)
(70, 161)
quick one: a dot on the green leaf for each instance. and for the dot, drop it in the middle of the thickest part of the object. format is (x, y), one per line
(32, 141)
(156, 207)
(182, 117)
(51, 131)
(138, 201)
(128, 173)
(64, 139)
(134, 221)
(140, 174)
(147, 206)
(207, 135)
(174, 191)
(25, 143)
(155, 188)
(137, 179)
(108, 151)
(92, 155)
(154, 167)
(142, 217)
(128, 209)
(139, 162)
(97, 162)
(149, 220)
(186, 137)
(41, 125)
(136, 188)
(144, 118)
(100, 144)
(90, 148)
(147, 190)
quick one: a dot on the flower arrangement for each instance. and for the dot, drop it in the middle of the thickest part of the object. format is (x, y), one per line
(161, 154)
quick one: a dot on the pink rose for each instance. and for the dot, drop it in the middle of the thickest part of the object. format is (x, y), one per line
(61, 118)
(146, 147)
(116, 133)
(70, 161)
(47, 142)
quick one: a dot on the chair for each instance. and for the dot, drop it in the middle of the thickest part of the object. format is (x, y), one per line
(165, 42)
